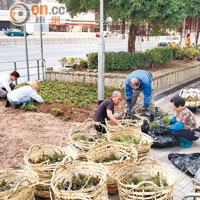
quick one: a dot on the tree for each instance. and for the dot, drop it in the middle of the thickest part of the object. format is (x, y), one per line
(162, 14)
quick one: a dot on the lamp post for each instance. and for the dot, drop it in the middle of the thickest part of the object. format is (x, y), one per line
(101, 59)
(26, 53)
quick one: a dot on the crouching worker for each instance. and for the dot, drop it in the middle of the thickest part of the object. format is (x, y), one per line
(24, 95)
(183, 125)
(106, 111)
(6, 83)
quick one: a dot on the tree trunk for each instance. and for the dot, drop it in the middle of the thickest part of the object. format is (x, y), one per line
(132, 37)
(198, 28)
(123, 28)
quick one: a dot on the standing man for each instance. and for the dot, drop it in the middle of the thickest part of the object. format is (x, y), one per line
(6, 83)
(106, 111)
(136, 82)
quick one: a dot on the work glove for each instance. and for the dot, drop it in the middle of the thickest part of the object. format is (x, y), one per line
(120, 125)
(145, 107)
(129, 106)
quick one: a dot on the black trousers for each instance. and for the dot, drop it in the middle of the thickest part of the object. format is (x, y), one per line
(186, 133)
(100, 128)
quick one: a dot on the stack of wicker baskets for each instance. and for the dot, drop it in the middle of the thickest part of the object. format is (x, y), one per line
(124, 154)
(64, 173)
(145, 140)
(44, 170)
(145, 190)
(21, 182)
(85, 128)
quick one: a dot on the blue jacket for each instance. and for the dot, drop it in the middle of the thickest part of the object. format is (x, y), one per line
(145, 79)
(175, 125)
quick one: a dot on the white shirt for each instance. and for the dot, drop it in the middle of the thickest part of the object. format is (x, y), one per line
(5, 82)
(25, 91)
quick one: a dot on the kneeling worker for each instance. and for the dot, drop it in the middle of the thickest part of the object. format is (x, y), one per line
(106, 110)
(183, 125)
(24, 95)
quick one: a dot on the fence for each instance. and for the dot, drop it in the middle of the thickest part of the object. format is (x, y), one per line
(36, 70)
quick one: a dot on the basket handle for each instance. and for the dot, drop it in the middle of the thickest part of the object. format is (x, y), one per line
(34, 147)
(149, 182)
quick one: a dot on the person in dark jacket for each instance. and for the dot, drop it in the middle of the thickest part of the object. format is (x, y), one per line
(183, 125)
(136, 82)
(106, 111)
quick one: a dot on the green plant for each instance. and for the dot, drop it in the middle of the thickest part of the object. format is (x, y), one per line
(111, 157)
(154, 125)
(63, 61)
(29, 106)
(127, 139)
(166, 120)
(66, 118)
(57, 111)
(79, 182)
(4, 186)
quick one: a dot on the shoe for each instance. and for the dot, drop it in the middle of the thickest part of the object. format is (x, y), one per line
(7, 104)
(18, 106)
(186, 143)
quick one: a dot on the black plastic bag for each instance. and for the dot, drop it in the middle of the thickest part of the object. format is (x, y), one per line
(145, 127)
(162, 141)
(186, 162)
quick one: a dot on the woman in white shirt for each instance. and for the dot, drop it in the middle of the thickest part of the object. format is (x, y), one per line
(24, 95)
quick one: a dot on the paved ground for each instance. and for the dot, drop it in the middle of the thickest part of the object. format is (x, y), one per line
(184, 183)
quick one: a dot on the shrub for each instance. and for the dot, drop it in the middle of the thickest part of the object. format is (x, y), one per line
(29, 106)
(73, 62)
(66, 118)
(57, 111)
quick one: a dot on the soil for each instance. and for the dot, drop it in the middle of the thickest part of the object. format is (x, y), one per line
(20, 129)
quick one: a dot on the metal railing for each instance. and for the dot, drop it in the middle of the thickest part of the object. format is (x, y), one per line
(36, 70)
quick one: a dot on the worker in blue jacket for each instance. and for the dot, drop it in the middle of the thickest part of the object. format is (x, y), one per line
(136, 82)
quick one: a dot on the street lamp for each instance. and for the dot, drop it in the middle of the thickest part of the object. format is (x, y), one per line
(101, 59)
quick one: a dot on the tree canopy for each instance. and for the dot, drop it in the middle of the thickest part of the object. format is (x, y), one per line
(163, 14)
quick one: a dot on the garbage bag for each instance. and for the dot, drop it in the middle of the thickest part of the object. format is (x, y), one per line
(188, 163)
(145, 127)
(162, 139)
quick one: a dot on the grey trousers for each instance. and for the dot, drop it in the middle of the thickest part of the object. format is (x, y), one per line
(3, 91)
(151, 104)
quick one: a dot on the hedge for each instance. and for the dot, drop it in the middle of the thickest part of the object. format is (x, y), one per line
(126, 60)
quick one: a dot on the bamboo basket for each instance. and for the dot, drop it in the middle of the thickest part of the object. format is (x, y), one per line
(121, 151)
(44, 170)
(22, 183)
(133, 123)
(145, 168)
(85, 128)
(142, 148)
(64, 173)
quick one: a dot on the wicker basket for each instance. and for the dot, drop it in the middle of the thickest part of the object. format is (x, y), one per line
(145, 140)
(133, 123)
(145, 168)
(44, 170)
(85, 128)
(125, 154)
(22, 183)
(64, 173)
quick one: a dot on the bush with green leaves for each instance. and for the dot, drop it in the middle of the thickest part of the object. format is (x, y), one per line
(29, 106)
(66, 118)
(57, 111)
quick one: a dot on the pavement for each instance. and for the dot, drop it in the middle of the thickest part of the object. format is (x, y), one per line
(184, 183)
